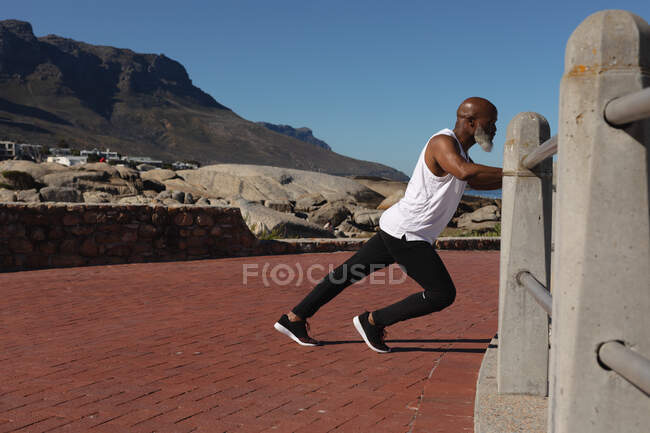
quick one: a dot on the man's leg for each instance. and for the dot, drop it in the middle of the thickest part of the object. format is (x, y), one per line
(422, 264)
(372, 256)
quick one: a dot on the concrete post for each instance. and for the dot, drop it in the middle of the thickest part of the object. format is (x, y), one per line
(525, 245)
(601, 281)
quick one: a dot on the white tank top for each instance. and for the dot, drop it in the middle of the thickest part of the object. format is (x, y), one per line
(428, 204)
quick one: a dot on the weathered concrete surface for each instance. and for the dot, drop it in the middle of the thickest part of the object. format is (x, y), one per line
(499, 413)
(190, 346)
(602, 246)
(526, 234)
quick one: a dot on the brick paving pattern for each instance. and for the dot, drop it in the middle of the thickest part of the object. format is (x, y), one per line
(188, 347)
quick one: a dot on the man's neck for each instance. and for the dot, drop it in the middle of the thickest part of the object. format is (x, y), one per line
(466, 140)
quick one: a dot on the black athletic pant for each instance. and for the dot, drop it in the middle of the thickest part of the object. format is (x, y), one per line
(418, 258)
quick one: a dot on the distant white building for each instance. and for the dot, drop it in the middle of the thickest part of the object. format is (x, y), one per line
(101, 153)
(7, 150)
(68, 160)
(179, 165)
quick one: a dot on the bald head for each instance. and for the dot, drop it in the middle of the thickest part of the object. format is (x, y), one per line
(476, 122)
(476, 107)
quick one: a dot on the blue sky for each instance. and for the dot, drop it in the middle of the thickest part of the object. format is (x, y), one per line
(374, 79)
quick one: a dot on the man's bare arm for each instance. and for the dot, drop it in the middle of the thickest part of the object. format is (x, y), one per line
(442, 153)
(484, 184)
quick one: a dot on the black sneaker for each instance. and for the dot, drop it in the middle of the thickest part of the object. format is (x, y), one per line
(297, 331)
(372, 335)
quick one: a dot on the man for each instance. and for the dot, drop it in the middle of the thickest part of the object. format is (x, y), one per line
(409, 228)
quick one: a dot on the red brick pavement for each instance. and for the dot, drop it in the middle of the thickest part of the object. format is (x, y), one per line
(187, 346)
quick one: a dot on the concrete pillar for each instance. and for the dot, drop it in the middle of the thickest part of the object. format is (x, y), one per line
(525, 245)
(601, 281)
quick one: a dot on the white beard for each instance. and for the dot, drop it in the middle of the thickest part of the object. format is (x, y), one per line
(483, 139)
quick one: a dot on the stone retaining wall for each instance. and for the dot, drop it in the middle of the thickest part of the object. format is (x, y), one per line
(54, 235)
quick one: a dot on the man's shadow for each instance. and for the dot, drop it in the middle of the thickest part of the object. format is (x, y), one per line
(423, 349)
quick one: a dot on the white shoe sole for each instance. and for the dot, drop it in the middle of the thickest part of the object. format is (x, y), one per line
(357, 324)
(278, 327)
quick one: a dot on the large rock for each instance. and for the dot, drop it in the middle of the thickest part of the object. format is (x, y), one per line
(367, 218)
(38, 171)
(7, 195)
(61, 194)
(127, 173)
(186, 187)
(136, 199)
(263, 220)
(70, 178)
(159, 174)
(259, 182)
(391, 200)
(115, 185)
(308, 202)
(351, 230)
(18, 180)
(279, 205)
(332, 213)
(383, 186)
(481, 219)
(99, 167)
(97, 197)
(28, 196)
(153, 185)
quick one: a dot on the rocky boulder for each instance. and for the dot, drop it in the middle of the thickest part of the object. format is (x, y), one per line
(279, 205)
(37, 171)
(367, 218)
(61, 194)
(262, 220)
(186, 187)
(7, 195)
(391, 200)
(385, 187)
(159, 174)
(70, 178)
(349, 229)
(99, 167)
(28, 196)
(332, 213)
(97, 197)
(127, 173)
(309, 202)
(481, 219)
(258, 183)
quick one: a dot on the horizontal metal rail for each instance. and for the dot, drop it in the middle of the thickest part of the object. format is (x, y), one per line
(543, 151)
(537, 290)
(633, 366)
(628, 108)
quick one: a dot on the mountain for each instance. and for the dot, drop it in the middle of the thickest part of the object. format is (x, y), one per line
(302, 134)
(53, 88)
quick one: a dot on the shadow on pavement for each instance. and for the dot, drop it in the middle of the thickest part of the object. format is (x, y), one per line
(421, 349)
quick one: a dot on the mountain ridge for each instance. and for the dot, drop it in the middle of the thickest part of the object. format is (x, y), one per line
(53, 88)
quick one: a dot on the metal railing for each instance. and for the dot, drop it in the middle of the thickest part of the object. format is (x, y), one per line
(633, 366)
(629, 108)
(537, 290)
(545, 150)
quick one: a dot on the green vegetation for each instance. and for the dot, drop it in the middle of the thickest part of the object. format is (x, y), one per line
(271, 235)
(494, 233)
